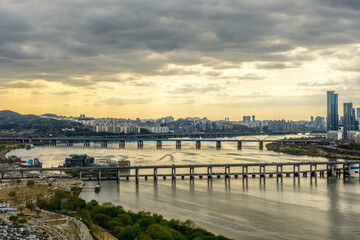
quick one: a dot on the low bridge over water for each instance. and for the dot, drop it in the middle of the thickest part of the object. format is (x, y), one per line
(158, 141)
(245, 170)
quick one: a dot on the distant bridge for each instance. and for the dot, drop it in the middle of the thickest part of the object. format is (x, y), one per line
(140, 141)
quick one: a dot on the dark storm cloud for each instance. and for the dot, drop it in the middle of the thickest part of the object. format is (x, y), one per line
(66, 39)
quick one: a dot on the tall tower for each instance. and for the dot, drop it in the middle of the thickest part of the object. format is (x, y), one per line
(332, 111)
(349, 119)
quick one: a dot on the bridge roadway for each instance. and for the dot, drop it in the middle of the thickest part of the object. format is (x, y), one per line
(140, 141)
(264, 169)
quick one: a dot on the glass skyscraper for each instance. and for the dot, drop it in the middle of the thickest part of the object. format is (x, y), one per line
(349, 119)
(332, 111)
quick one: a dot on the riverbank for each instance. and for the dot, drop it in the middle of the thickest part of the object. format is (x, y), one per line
(123, 224)
(6, 147)
(314, 150)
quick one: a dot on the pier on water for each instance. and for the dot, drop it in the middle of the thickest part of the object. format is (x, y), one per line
(244, 170)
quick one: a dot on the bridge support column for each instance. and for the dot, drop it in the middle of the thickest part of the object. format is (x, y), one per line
(198, 144)
(104, 144)
(227, 172)
(279, 173)
(178, 144)
(245, 171)
(155, 173)
(99, 175)
(330, 169)
(158, 144)
(22, 174)
(140, 144)
(70, 143)
(173, 173)
(209, 172)
(296, 173)
(53, 142)
(87, 143)
(239, 145)
(1, 175)
(261, 145)
(346, 170)
(136, 174)
(61, 174)
(41, 175)
(122, 144)
(262, 171)
(192, 173)
(313, 173)
(80, 174)
(218, 145)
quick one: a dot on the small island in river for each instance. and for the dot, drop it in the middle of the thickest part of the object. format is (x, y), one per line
(349, 150)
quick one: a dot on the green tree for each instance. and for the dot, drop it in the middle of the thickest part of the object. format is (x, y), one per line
(12, 194)
(30, 183)
(159, 232)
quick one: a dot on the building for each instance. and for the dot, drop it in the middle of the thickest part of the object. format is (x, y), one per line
(349, 119)
(332, 111)
(358, 114)
(79, 161)
(246, 119)
(253, 118)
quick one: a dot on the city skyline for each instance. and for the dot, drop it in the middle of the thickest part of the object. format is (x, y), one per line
(132, 59)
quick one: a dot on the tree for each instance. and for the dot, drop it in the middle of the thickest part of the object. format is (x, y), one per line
(12, 194)
(30, 183)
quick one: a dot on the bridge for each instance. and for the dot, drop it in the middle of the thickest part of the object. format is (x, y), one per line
(262, 170)
(104, 140)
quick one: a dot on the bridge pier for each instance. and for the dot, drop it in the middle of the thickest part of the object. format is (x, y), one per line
(192, 173)
(21, 174)
(173, 173)
(239, 145)
(87, 143)
(122, 144)
(41, 175)
(218, 145)
(53, 142)
(330, 169)
(245, 171)
(69, 143)
(262, 171)
(155, 173)
(103, 144)
(296, 173)
(136, 174)
(261, 145)
(313, 173)
(158, 144)
(279, 173)
(227, 172)
(80, 174)
(346, 170)
(117, 175)
(140, 144)
(209, 172)
(1, 175)
(198, 144)
(178, 144)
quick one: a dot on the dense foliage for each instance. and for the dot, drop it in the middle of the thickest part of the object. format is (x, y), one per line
(126, 224)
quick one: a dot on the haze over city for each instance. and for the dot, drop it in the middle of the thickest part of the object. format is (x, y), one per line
(272, 59)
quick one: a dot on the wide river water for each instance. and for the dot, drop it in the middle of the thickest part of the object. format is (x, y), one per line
(288, 208)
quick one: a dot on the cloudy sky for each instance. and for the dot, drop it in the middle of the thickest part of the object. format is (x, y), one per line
(217, 58)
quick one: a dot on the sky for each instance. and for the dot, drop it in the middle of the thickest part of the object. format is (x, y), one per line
(274, 59)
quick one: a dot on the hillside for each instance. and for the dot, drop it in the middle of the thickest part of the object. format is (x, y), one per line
(15, 124)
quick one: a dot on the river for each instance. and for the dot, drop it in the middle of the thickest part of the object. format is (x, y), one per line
(300, 208)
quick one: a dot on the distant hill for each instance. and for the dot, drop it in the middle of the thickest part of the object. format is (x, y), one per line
(12, 123)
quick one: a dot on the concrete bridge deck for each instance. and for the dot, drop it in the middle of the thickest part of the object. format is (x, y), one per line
(346, 168)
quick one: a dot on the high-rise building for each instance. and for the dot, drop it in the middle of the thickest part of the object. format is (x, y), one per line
(246, 119)
(349, 119)
(253, 118)
(312, 119)
(332, 111)
(358, 113)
